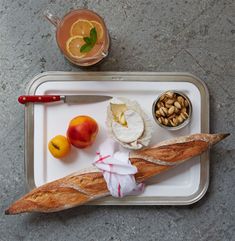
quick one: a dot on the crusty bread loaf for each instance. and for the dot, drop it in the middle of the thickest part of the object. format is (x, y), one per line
(82, 187)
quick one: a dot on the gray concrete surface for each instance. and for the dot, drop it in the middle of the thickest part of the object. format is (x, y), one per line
(196, 36)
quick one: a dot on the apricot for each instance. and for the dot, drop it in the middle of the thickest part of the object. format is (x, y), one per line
(59, 146)
(82, 131)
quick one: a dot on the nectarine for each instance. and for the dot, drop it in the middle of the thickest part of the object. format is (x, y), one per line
(82, 131)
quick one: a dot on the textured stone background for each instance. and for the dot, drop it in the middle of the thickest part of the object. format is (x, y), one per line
(159, 35)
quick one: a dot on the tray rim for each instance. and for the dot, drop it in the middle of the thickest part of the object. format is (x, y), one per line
(120, 76)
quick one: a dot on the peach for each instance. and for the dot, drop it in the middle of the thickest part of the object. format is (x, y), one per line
(59, 146)
(82, 131)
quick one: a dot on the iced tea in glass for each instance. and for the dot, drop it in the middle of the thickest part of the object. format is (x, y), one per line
(81, 36)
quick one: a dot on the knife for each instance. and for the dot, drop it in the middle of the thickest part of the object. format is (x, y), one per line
(70, 99)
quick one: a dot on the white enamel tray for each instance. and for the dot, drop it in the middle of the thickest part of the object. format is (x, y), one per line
(185, 184)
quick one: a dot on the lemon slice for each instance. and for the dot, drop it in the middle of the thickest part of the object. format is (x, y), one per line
(73, 46)
(81, 27)
(99, 29)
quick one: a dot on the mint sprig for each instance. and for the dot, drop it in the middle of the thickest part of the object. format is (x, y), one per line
(89, 41)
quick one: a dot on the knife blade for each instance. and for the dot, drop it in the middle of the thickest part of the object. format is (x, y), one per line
(69, 99)
(83, 99)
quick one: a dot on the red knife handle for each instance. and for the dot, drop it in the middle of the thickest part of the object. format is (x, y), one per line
(38, 98)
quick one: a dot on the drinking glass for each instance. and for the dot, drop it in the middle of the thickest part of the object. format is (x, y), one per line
(71, 31)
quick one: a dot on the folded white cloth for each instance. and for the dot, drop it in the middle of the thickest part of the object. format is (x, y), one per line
(118, 172)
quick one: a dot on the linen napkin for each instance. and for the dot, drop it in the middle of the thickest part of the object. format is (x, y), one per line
(118, 172)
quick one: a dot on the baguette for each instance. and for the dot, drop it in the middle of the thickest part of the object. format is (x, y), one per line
(84, 186)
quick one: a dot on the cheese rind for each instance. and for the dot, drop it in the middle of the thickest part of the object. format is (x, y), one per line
(133, 130)
(145, 137)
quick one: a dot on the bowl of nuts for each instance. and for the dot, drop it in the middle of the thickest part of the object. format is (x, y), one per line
(172, 110)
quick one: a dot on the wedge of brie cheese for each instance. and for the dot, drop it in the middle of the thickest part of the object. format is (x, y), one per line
(132, 130)
(128, 124)
(118, 110)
